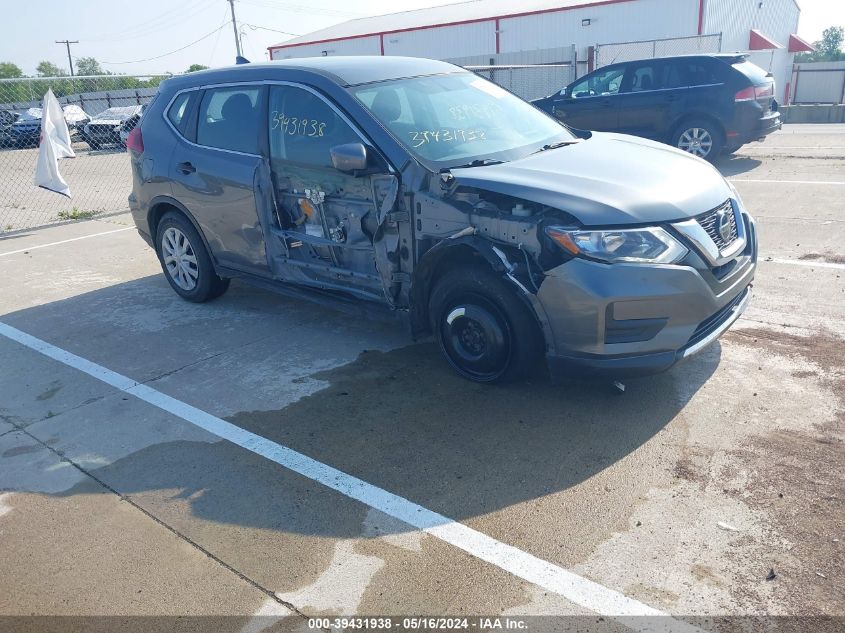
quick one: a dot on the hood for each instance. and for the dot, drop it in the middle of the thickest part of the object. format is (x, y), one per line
(30, 117)
(96, 121)
(608, 179)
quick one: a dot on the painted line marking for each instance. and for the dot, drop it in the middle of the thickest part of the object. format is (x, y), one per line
(73, 239)
(582, 591)
(809, 263)
(791, 182)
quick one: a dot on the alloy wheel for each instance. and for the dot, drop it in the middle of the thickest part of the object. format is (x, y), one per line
(179, 259)
(696, 141)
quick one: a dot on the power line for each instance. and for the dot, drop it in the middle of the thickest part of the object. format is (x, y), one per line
(148, 59)
(264, 28)
(160, 22)
(216, 41)
(298, 8)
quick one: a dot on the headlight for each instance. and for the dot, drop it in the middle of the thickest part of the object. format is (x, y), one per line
(735, 194)
(651, 245)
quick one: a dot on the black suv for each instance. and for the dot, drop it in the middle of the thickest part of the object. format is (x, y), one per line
(703, 104)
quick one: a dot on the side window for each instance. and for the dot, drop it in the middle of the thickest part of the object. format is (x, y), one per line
(675, 75)
(178, 110)
(645, 77)
(600, 83)
(228, 119)
(303, 127)
(700, 74)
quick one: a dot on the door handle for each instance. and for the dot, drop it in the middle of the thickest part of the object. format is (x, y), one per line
(186, 167)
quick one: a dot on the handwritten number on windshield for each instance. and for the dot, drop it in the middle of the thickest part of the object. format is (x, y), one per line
(446, 135)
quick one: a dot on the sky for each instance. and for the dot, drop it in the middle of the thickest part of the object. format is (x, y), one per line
(136, 37)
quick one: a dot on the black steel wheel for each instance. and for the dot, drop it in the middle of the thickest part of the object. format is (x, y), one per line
(485, 331)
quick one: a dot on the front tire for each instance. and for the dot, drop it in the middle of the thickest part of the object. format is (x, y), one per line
(700, 138)
(484, 330)
(185, 261)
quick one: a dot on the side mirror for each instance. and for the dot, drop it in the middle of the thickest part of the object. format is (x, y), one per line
(349, 157)
(563, 92)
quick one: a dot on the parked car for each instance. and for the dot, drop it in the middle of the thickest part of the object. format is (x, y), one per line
(26, 131)
(129, 124)
(702, 104)
(7, 118)
(104, 128)
(415, 186)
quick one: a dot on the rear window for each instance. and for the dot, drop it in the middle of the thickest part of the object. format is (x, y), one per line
(177, 110)
(757, 75)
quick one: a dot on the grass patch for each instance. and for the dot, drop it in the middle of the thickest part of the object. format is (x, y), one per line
(76, 214)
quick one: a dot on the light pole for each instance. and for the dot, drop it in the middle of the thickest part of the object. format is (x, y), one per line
(235, 28)
(68, 43)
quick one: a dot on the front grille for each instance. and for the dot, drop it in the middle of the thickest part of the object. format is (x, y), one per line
(711, 220)
(714, 321)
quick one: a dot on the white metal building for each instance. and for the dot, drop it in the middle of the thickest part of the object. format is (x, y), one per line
(502, 31)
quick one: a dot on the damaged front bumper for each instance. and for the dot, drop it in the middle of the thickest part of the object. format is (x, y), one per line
(624, 320)
(627, 365)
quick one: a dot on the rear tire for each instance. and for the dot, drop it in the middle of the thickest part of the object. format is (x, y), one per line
(185, 260)
(699, 137)
(485, 331)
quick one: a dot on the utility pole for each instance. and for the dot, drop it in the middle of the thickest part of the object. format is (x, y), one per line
(235, 27)
(68, 43)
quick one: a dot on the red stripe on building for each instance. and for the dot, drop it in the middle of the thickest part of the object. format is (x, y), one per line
(493, 18)
(498, 48)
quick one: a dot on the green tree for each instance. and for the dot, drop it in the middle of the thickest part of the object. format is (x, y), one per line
(195, 67)
(830, 46)
(89, 66)
(49, 69)
(828, 49)
(8, 70)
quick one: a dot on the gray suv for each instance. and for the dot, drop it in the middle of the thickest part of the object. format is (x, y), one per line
(416, 187)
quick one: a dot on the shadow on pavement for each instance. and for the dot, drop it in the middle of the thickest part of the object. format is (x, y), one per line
(735, 165)
(398, 419)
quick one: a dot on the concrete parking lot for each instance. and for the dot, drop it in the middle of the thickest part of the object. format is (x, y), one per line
(118, 495)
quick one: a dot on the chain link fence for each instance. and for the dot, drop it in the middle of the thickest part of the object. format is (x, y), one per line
(529, 81)
(646, 49)
(100, 112)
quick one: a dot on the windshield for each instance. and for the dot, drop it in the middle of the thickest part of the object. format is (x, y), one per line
(451, 120)
(757, 75)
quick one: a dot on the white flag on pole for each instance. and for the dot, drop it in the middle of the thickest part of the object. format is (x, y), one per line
(55, 144)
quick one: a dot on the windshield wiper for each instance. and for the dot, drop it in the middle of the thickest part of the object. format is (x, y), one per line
(556, 145)
(478, 162)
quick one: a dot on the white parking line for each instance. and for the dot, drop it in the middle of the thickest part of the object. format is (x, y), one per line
(808, 262)
(73, 239)
(791, 182)
(586, 593)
